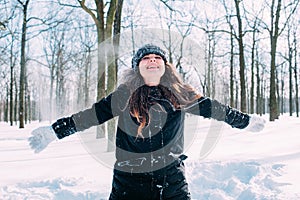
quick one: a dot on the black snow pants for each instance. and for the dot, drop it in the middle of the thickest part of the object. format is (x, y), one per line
(167, 183)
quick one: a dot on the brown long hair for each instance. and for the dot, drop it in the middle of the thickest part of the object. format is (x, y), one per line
(172, 87)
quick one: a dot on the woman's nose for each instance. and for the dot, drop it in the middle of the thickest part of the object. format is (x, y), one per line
(152, 59)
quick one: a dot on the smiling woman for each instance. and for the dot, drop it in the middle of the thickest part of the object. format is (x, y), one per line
(152, 68)
(151, 105)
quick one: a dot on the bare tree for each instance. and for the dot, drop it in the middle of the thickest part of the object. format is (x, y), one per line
(104, 31)
(8, 55)
(231, 65)
(253, 63)
(184, 27)
(115, 20)
(292, 41)
(9, 58)
(105, 19)
(259, 103)
(274, 32)
(239, 36)
(211, 51)
(296, 75)
(183, 21)
(84, 65)
(12, 63)
(24, 6)
(291, 59)
(290, 69)
(58, 60)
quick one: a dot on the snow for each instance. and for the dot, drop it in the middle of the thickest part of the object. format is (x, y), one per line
(242, 165)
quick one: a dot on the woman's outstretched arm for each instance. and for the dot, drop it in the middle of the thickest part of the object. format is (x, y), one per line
(209, 108)
(100, 112)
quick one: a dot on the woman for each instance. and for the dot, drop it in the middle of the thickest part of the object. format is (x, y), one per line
(151, 105)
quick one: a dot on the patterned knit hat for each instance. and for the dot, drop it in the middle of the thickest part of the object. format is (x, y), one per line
(146, 50)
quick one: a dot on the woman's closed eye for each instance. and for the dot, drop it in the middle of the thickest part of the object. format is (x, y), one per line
(148, 57)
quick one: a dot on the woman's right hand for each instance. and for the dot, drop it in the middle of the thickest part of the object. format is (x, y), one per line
(41, 137)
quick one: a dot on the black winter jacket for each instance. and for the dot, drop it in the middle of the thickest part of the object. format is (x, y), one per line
(163, 136)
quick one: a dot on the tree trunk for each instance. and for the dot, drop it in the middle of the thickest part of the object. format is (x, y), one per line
(241, 58)
(252, 73)
(231, 69)
(115, 19)
(274, 33)
(16, 101)
(102, 34)
(87, 72)
(290, 81)
(281, 100)
(11, 89)
(6, 103)
(258, 89)
(101, 60)
(22, 65)
(277, 90)
(296, 76)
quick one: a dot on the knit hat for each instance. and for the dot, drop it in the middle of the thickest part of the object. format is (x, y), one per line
(146, 50)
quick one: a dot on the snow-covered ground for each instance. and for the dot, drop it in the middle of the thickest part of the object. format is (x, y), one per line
(242, 165)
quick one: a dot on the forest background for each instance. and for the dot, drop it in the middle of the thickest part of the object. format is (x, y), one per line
(58, 57)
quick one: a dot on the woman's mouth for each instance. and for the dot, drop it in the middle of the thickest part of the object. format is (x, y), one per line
(152, 67)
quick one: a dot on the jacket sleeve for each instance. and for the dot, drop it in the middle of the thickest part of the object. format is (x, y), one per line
(103, 110)
(209, 108)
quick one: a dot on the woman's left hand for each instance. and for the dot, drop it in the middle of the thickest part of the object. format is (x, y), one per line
(256, 123)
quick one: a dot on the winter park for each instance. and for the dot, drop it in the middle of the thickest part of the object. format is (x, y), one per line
(149, 99)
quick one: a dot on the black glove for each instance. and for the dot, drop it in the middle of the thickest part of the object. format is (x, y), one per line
(64, 127)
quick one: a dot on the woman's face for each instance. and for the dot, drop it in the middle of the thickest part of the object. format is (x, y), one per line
(152, 68)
